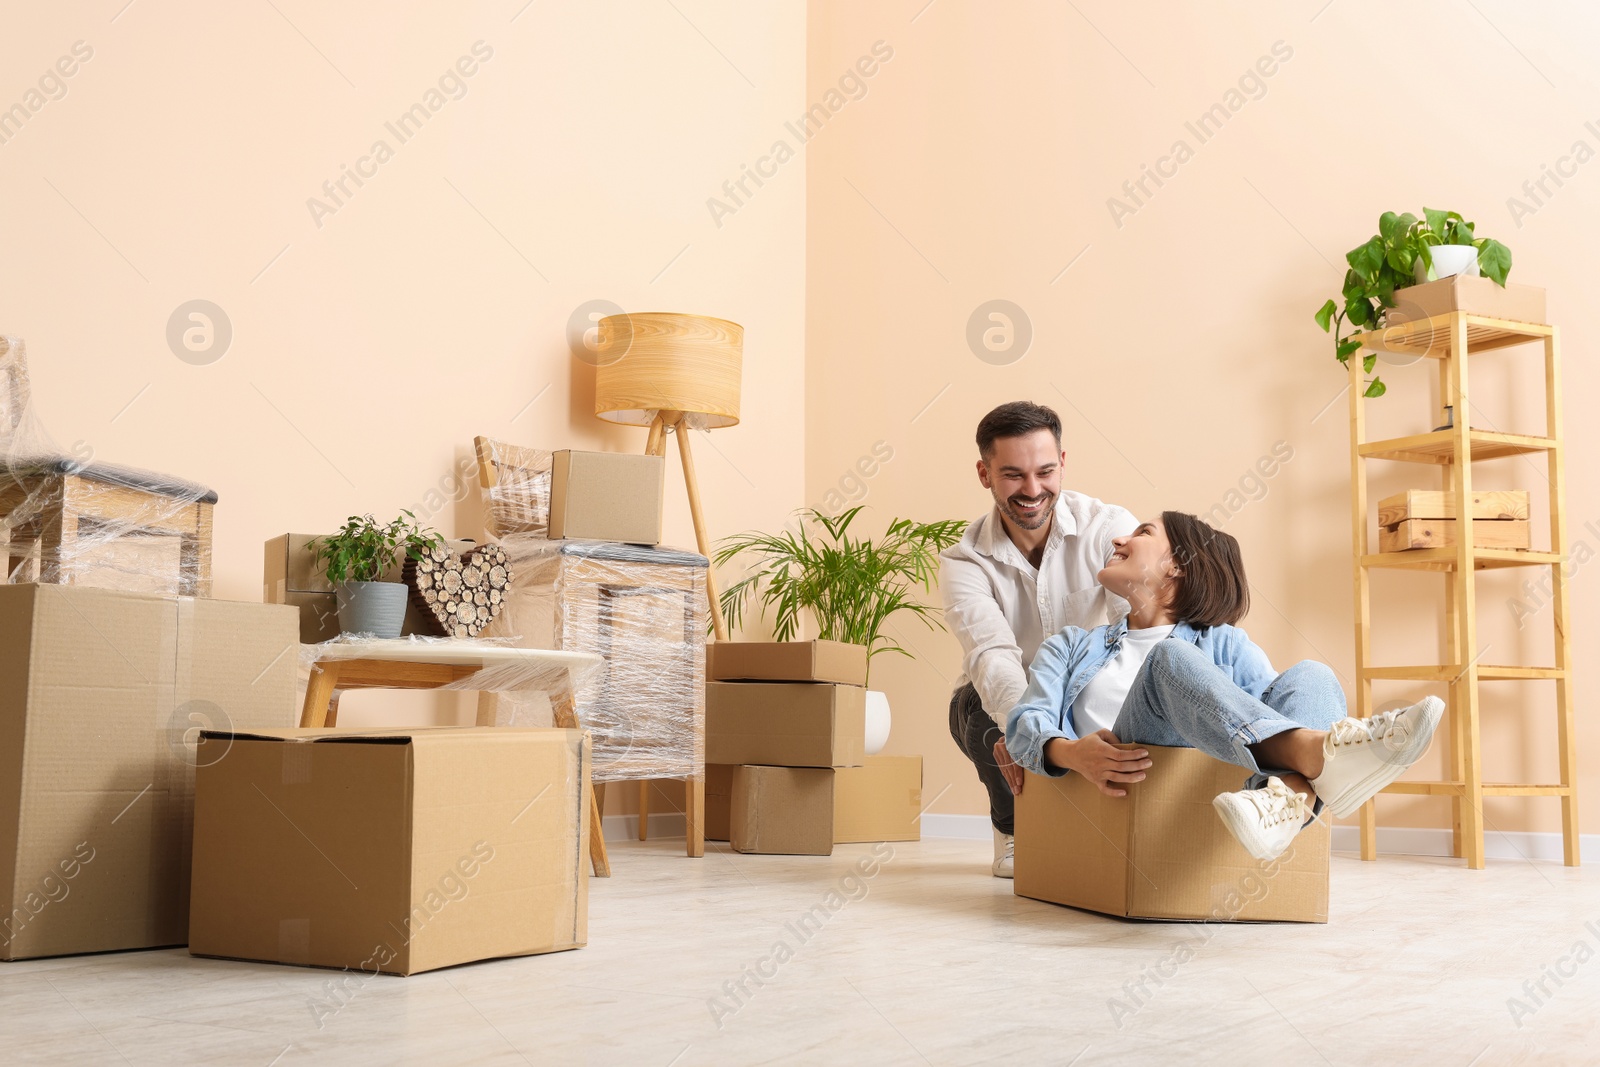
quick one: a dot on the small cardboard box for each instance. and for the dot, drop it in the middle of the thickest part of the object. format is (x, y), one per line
(1161, 852)
(785, 811)
(290, 575)
(606, 496)
(719, 797)
(879, 801)
(779, 724)
(787, 661)
(391, 851)
(102, 698)
(1462, 292)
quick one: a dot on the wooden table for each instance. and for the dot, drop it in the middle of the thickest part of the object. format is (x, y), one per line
(466, 665)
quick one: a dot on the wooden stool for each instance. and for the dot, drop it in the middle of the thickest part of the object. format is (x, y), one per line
(402, 664)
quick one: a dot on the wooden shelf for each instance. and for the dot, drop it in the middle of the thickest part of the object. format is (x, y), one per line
(1490, 789)
(1449, 672)
(1431, 337)
(1444, 559)
(1439, 446)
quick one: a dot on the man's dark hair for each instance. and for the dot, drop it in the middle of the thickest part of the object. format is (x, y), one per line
(1013, 420)
(1213, 590)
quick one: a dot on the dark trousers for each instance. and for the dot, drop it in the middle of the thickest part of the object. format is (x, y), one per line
(976, 735)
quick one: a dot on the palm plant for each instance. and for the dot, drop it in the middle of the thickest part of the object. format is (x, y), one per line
(851, 586)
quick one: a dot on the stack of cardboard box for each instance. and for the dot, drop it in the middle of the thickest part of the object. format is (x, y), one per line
(786, 767)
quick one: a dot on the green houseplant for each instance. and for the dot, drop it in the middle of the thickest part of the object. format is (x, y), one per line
(357, 556)
(1405, 250)
(850, 585)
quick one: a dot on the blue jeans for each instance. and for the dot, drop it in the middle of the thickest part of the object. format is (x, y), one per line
(1182, 700)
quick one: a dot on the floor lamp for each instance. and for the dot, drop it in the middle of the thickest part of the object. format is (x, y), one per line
(672, 372)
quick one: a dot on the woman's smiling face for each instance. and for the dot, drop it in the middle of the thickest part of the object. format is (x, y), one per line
(1141, 566)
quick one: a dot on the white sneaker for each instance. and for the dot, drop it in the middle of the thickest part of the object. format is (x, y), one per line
(1264, 820)
(1005, 848)
(1364, 755)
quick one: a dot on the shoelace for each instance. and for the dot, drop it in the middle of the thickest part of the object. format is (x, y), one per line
(1381, 727)
(1280, 804)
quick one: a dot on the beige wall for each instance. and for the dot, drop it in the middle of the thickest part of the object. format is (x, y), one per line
(1179, 346)
(432, 304)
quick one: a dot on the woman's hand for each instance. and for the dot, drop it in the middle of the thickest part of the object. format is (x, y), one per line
(1097, 758)
(1009, 769)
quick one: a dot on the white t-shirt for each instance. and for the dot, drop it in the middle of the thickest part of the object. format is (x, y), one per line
(1100, 702)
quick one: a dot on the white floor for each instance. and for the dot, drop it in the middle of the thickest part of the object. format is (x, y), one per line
(933, 961)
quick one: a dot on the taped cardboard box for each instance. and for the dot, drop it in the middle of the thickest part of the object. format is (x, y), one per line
(1161, 852)
(879, 801)
(787, 661)
(393, 851)
(290, 575)
(781, 724)
(102, 696)
(782, 811)
(606, 496)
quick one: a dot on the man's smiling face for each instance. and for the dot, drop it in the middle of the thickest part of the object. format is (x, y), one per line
(1024, 475)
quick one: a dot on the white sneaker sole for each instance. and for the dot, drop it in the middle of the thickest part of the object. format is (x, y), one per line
(1400, 761)
(1246, 831)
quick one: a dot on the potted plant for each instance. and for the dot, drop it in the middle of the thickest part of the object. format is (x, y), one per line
(851, 586)
(358, 556)
(1406, 250)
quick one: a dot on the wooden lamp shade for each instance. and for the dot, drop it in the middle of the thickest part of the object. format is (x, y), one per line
(654, 361)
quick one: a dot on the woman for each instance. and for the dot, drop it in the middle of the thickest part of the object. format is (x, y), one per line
(1177, 672)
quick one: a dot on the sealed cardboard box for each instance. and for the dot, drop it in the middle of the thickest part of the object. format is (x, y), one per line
(879, 801)
(787, 661)
(102, 698)
(391, 851)
(606, 496)
(290, 575)
(1469, 293)
(786, 725)
(785, 811)
(1161, 852)
(719, 795)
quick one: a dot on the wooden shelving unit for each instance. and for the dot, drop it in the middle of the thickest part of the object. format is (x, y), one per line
(1449, 339)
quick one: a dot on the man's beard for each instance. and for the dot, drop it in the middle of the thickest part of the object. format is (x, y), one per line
(1043, 516)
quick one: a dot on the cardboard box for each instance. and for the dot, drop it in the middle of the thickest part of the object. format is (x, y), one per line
(1461, 292)
(786, 725)
(879, 801)
(1488, 504)
(102, 696)
(1161, 852)
(606, 496)
(1441, 533)
(391, 851)
(782, 811)
(787, 661)
(290, 575)
(719, 797)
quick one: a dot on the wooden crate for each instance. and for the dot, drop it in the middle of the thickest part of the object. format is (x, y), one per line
(1439, 533)
(1434, 504)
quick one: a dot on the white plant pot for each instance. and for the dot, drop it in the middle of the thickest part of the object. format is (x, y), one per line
(1448, 261)
(877, 721)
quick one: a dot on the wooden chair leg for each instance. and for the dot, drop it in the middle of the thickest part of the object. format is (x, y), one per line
(598, 859)
(694, 815)
(319, 693)
(644, 810)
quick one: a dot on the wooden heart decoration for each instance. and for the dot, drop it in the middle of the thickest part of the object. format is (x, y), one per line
(460, 594)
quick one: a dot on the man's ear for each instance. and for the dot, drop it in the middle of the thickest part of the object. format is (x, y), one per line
(983, 475)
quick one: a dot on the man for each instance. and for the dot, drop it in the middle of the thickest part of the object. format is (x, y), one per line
(1020, 574)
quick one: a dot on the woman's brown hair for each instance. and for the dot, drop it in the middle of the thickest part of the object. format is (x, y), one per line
(1212, 590)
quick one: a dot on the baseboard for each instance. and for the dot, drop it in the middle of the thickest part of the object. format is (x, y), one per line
(662, 824)
(1392, 840)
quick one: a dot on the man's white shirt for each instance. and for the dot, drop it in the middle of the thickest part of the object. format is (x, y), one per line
(1001, 608)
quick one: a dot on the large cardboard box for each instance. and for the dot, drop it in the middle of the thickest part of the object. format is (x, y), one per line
(391, 851)
(787, 661)
(606, 496)
(815, 724)
(1161, 852)
(784, 811)
(879, 801)
(1462, 292)
(719, 798)
(102, 697)
(291, 576)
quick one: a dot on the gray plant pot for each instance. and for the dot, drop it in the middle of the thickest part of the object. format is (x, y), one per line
(376, 609)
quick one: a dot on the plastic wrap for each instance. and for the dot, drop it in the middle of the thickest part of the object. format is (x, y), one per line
(643, 611)
(499, 665)
(516, 487)
(67, 519)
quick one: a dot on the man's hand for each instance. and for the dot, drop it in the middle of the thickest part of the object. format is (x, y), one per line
(1097, 758)
(1013, 773)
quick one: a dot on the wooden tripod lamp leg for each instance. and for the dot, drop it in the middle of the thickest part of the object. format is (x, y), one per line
(719, 624)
